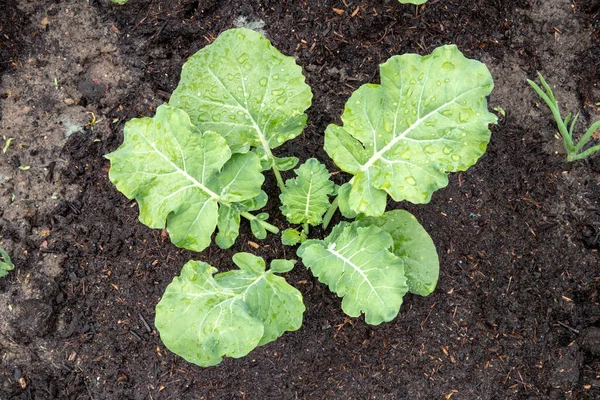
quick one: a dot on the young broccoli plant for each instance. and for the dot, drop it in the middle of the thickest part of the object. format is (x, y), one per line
(196, 167)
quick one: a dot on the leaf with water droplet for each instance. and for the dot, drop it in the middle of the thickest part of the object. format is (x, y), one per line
(306, 198)
(357, 264)
(413, 245)
(184, 179)
(203, 317)
(235, 78)
(421, 121)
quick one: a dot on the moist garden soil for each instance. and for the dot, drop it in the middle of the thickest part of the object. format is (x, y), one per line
(516, 312)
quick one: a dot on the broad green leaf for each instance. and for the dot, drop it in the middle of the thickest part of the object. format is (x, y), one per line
(243, 88)
(428, 117)
(306, 198)
(413, 245)
(356, 264)
(180, 175)
(291, 237)
(203, 317)
(5, 263)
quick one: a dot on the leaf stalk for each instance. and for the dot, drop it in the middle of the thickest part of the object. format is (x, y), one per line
(278, 177)
(250, 217)
(329, 214)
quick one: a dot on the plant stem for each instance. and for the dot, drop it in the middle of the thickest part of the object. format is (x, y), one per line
(264, 224)
(278, 178)
(329, 214)
(585, 154)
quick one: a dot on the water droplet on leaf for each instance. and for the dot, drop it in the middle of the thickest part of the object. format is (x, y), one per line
(447, 66)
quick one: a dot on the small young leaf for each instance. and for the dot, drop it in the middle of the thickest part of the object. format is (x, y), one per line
(291, 237)
(285, 163)
(413, 245)
(229, 219)
(282, 266)
(203, 317)
(355, 263)
(228, 223)
(428, 117)
(258, 230)
(255, 203)
(179, 175)
(243, 88)
(306, 198)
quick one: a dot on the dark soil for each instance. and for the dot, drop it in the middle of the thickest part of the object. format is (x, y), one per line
(516, 313)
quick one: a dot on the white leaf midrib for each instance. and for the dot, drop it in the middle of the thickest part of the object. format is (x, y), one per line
(183, 172)
(379, 154)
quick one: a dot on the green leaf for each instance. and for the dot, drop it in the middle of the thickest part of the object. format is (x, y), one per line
(417, 2)
(255, 203)
(228, 223)
(291, 237)
(229, 219)
(243, 88)
(413, 245)
(179, 175)
(203, 317)
(306, 197)
(285, 163)
(258, 229)
(428, 117)
(282, 266)
(5, 263)
(356, 264)
(343, 198)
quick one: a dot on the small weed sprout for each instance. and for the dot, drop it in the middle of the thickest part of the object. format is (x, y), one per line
(5, 263)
